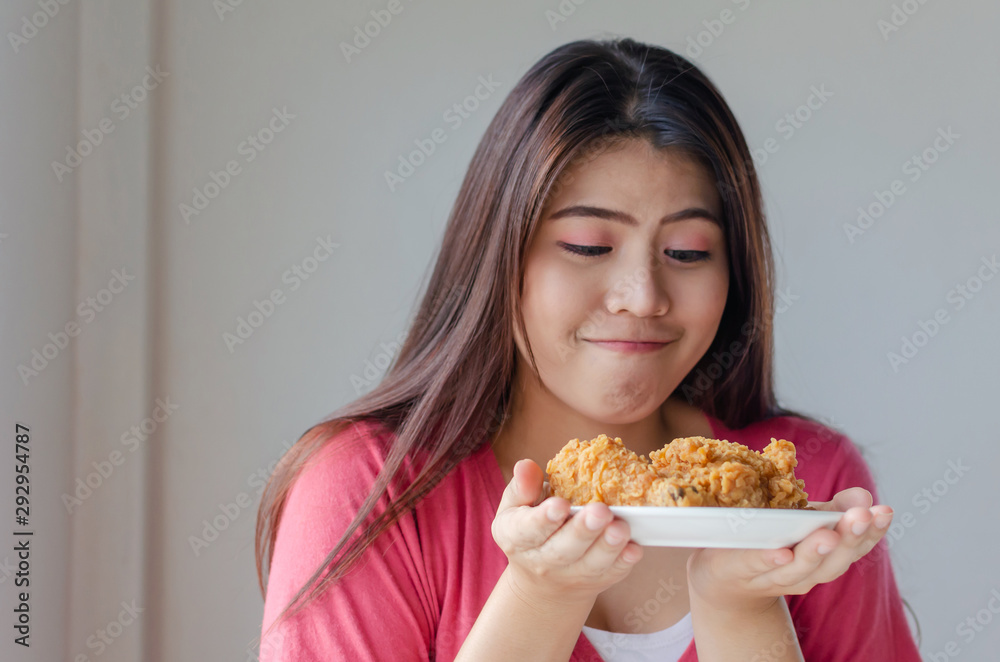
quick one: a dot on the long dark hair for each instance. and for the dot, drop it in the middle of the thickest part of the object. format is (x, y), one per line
(448, 390)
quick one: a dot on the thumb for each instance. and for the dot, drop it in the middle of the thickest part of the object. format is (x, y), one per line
(845, 499)
(528, 478)
(851, 497)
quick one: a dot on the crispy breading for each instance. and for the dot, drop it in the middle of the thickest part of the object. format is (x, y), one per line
(688, 471)
(602, 469)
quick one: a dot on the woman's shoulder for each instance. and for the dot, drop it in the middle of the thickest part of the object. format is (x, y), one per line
(349, 458)
(341, 457)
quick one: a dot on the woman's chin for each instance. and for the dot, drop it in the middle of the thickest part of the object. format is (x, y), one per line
(622, 409)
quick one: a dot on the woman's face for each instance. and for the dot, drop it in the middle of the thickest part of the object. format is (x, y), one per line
(627, 250)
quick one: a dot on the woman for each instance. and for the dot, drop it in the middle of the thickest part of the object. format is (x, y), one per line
(605, 269)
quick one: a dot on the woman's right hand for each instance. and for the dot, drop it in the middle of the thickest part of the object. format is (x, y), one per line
(553, 559)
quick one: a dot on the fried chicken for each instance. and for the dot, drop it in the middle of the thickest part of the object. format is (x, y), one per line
(602, 469)
(689, 471)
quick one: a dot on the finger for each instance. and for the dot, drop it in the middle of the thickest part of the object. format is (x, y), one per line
(859, 534)
(849, 498)
(824, 555)
(524, 488)
(801, 564)
(612, 549)
(528, 527)
(574, 538)
(854, 523)
(630, 554)
(852, 497)
(517, 524)
(883, 516)
(881, 519)
(742, 563)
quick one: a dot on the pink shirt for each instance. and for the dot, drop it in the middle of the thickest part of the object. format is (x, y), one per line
(418, 590)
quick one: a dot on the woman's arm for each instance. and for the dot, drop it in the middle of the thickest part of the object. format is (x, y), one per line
(739, 588)
(869, 620)
(727, 635)
(557, 565)
(545, 630)
(378, 610)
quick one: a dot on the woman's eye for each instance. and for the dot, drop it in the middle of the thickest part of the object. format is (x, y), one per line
(595, 251)
(586, 251)
(688, 256)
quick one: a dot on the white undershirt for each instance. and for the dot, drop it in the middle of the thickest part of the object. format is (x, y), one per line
(663, 646)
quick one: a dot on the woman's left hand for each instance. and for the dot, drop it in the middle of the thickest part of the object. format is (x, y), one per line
(753, 579)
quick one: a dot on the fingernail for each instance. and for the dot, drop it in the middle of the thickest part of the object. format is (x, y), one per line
(882, 520)
(859, 527)
(613, 537)
(593, 521)
(823, 549)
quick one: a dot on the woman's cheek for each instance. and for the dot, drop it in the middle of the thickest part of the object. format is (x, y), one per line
(700, 299)
(548, 288)
(563, 304)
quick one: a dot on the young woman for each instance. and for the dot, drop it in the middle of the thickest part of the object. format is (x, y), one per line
(606, 269)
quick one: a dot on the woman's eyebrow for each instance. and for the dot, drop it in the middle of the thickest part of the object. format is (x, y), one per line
(627, 219)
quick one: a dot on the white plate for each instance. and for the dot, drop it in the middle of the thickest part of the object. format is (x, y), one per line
(745, 528)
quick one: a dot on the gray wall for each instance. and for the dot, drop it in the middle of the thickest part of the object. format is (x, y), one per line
(850, 300)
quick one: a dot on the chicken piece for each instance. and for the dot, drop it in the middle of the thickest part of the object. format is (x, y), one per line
(737, 476)
(602, 469)
(689, 471)
(787, 491)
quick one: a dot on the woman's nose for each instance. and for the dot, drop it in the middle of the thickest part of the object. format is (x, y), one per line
(639, 292)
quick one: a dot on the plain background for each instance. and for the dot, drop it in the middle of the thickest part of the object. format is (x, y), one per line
(850, 303)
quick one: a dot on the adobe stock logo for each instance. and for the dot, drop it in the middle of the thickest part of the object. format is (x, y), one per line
(924, 500)
(264, 309)
(454, 116)
(30, 27)
(958, 297)
(969, 627)
(249, 148)
(122, 107)
(641, 614)
(899, 17)
(223, 7)
(562, 12)
(376, 366)
(791, 122)
(914, 167)
(714, 28)
(708, 374)
(381, 18)
(87, 311)
(105, 637)
(231, 509)
(104, 468)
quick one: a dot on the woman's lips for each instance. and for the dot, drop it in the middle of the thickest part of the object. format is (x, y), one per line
(629, 347)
